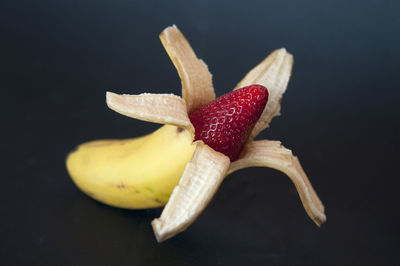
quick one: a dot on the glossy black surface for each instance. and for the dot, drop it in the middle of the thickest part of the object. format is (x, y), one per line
(340, 115)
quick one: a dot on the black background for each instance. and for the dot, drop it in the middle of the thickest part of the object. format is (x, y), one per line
(340, 115)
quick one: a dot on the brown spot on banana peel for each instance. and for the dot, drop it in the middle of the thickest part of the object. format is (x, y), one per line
(180, 129)
(159, 201)
(124, 186)
(121, 186)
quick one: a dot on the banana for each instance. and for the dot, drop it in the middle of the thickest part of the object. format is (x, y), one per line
(133, 173)
(167, 167)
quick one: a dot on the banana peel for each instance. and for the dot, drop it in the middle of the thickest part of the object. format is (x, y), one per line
(167, 167)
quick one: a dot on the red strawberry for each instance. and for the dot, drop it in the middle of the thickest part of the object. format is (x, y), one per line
(225, 124)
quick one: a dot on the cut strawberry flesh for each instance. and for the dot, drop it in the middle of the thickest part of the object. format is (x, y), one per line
(225, 124)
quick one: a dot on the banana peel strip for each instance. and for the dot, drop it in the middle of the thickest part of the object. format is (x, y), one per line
(199, 182)
(272, 154)
(156, 108)
(197, 87)
(274, 73)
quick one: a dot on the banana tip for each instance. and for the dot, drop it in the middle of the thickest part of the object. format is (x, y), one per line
(156, 224)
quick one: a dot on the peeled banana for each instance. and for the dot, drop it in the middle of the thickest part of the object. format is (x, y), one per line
(167, 167)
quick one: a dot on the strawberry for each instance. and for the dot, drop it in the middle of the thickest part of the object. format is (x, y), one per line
(225, 124)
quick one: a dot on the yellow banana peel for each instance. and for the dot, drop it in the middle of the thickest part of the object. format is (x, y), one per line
(133, 173)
